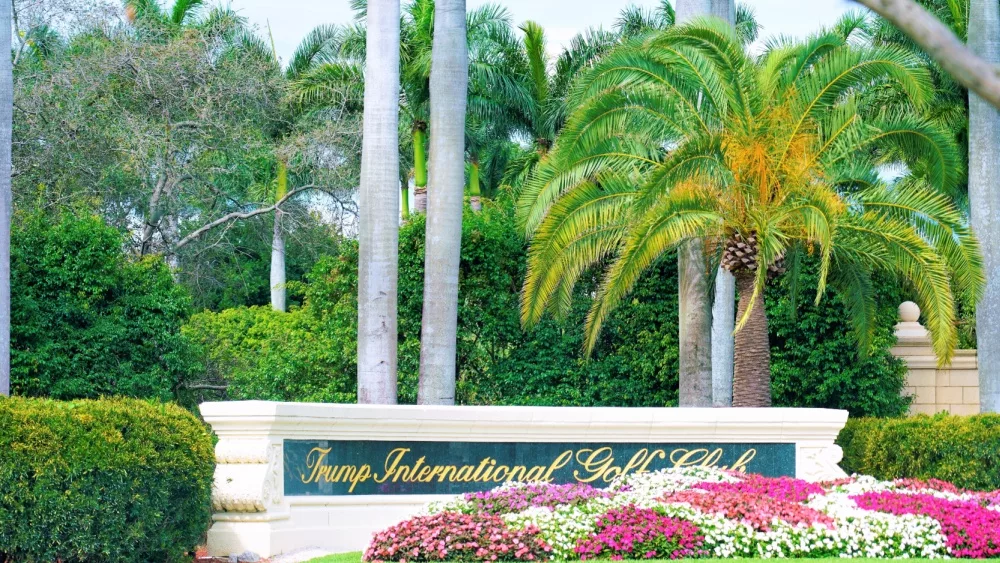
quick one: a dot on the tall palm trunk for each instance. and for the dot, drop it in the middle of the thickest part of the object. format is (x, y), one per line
(695, 310)
(419, 167)
(378, 237)
(278, 282)
(449, 85)
(984, 166)
(724, 306)
(475, 193)
(752, 373)
(6, 112)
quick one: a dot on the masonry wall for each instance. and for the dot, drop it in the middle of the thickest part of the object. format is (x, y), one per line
(953, 388)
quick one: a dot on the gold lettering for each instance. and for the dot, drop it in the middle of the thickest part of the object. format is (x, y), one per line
(422, 476)
(481, 468)
(688, 458)
(655, 454)
(593, 463)
(360, 476)
(447, 472)
(314, 461)
(465, 473)
(535, 473)
(741, 463)
(517, 473)
(560, 462)
(391, 463)
(496, 474)
(346, 473)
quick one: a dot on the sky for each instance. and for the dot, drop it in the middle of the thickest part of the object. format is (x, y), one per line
(290, 20)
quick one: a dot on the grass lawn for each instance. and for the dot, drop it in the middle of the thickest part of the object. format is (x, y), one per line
(355, 557)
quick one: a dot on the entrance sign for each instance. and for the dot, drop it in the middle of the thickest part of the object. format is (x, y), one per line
(295, 475)
(356, 467)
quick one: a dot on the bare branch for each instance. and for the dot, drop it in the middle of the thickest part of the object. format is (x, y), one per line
(237, 215)
(942, 45)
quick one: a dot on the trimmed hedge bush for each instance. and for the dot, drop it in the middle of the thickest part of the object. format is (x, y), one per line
(964, 450)
(106, 481)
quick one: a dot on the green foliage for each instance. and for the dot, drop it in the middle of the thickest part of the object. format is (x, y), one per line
(964, 450)
(308, 354)
(117, 480)
(87, 320)
(815, 361)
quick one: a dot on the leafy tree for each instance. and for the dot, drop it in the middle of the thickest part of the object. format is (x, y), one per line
(750, 155)
(88, 320)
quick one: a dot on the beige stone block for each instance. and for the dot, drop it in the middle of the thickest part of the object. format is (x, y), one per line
(921, 378)
(964, 409)
(942, 378)
(964, 378)
(949, 395)
(923, 409)
(970, 396)
(925, 396)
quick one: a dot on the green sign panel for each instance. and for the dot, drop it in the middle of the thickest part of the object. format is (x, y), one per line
(354, 467)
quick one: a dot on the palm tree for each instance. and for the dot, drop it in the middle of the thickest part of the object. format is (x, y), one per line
(448, 86)
(684, 136)
(378, 239)
(984, 154)
(6, 116)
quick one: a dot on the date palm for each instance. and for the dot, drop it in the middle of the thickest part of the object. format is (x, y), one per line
(684, 136)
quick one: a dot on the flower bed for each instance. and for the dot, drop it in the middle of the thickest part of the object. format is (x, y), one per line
(701, 513)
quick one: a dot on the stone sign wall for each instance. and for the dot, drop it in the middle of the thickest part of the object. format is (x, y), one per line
(296, 475)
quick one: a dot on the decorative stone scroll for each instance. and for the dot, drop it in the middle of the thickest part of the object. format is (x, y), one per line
(295, 475)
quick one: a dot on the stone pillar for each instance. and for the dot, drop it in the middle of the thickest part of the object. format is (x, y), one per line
(953, 388)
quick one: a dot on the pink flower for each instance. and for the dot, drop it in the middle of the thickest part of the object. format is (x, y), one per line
(636, 533)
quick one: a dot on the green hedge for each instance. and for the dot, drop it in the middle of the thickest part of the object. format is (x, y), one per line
(118, 480)
(964, 450)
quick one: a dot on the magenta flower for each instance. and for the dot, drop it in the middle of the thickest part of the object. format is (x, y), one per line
(782, 488)
(972, 530)
(455, 536)
(640, 533)
(516, 499)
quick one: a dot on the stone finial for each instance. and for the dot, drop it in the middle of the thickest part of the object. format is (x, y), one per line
(909, 331)
(909, 312)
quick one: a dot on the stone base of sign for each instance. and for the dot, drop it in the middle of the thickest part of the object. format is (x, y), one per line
(252, 512)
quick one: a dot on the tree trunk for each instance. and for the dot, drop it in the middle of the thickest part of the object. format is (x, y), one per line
(378, 236)
(984, 200)
(723, 324)
(419, 167)
(6, 113)
(278, 282)
(695, 318)
(724, 307)
(686, 10)
(278, 292)
(475, 194)
(449, 85)
(752, 373)
(695, 321)
(724, 9)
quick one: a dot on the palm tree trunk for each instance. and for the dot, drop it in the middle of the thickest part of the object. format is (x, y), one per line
(475, 195)
(6, 113)
(378, 236)
(278, 292)
(723, 324)
(278, 264)
(724, 9)
(724, 306)
(984, 199)
(752, 373)
(419, 167)
(449, 85)
(695, 310)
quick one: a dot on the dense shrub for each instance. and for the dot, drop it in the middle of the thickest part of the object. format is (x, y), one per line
(116, 480)
(815, 359)
(87, 320)
(964, 450)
